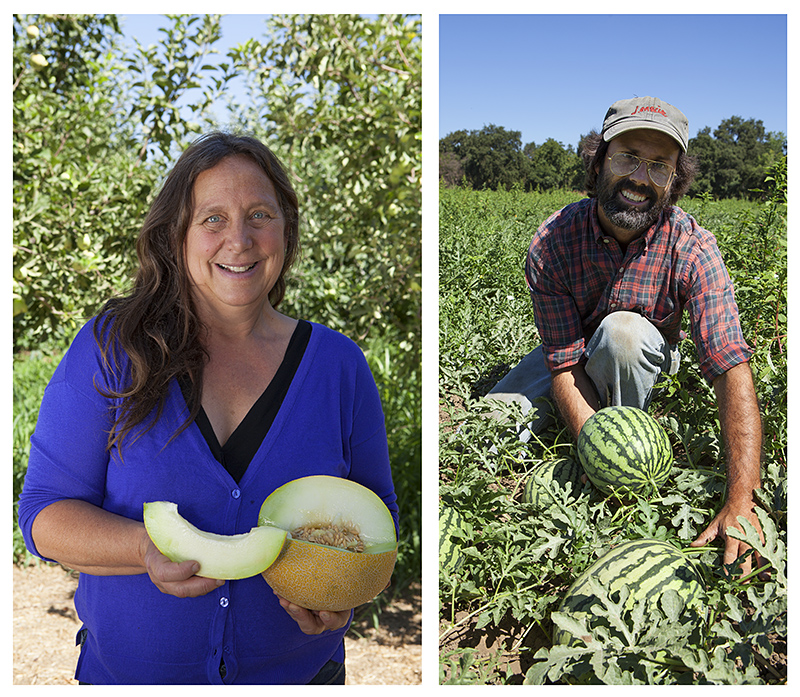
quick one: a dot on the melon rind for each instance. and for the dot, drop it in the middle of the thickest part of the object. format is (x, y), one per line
(624, 450)
(647, 567)
(451, 558)
(319, 577)
(226, 557)
(558, 472)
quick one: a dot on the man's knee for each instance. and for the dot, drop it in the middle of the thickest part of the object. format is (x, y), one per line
(625, 334)
(624, 358)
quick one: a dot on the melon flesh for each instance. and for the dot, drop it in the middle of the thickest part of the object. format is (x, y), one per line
(224, 557)
(350, 545)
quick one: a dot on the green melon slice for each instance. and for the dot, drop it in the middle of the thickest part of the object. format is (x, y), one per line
(220, 556)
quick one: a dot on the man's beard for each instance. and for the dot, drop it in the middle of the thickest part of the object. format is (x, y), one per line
(619, 213)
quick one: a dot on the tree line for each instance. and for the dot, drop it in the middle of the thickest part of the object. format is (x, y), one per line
(734, 159)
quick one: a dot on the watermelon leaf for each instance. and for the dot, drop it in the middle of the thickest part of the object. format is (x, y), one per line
(684, 520)
(772, 549)
(672, 604)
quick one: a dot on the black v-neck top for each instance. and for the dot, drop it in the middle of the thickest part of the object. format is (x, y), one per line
(243, 443)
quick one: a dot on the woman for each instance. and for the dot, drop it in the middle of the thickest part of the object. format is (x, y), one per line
(195, 389)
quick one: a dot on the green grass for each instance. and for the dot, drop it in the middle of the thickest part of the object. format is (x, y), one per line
(495, 613)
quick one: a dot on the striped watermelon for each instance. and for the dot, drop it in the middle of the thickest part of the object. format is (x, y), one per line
(647, 567)
(624, 450)
(560, 472)
(450, 556)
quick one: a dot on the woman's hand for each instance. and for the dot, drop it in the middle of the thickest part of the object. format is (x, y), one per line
(314, 621)
(175, 578)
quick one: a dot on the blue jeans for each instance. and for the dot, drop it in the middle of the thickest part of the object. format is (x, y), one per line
(624, 359)
(332, 673)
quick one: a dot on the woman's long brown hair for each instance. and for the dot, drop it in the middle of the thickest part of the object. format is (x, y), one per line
(155, 325)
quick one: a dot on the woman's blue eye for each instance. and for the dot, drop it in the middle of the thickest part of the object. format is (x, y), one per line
(213, 219)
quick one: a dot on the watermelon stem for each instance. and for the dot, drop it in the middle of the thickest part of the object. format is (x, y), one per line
(755, 572)
(671, 662)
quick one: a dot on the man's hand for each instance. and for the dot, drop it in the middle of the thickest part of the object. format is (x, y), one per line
(741, 431)
(575, 397)
(727, 517)
(313, 621)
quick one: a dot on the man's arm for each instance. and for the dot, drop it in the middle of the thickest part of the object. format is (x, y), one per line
(741, 430)
(575, 396)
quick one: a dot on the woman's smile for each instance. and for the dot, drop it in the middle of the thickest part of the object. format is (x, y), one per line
(237, 269)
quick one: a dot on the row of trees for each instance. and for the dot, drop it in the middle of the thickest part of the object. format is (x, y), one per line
(734, 159)
(494, 157)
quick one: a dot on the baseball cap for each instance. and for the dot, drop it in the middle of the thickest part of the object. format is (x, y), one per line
(646, 112)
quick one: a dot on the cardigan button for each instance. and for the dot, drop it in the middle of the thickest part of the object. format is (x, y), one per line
(223, 601)
(236, 493)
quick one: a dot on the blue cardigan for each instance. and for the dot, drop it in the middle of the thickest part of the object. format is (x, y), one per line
(330, 422)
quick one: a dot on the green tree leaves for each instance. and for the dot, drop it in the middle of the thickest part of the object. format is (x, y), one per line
(74, 185)
(734, 162)
(342, 103)
(171, 77)
(492, 157)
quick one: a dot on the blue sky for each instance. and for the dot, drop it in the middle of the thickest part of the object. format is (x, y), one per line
(554, 76)
(236, 29)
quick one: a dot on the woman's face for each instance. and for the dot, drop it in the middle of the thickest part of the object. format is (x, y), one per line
(235, 241)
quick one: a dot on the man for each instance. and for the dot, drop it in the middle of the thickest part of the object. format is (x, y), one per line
(610, 277)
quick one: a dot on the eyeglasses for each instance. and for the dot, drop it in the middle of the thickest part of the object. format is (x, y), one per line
(623, 164)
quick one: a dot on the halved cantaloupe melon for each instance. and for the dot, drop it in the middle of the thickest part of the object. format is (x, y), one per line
(220, 556)
(342, 544)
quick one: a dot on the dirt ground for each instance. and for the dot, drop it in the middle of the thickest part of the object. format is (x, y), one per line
(45, 624)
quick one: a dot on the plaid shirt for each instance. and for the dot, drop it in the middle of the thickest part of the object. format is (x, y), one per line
(577, 275)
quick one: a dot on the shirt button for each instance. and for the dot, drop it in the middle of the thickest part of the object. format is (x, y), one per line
(223, 601)
(613, 305)
(236, 493)
(621, 269)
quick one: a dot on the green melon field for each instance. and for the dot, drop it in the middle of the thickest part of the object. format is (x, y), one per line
(505, 566)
